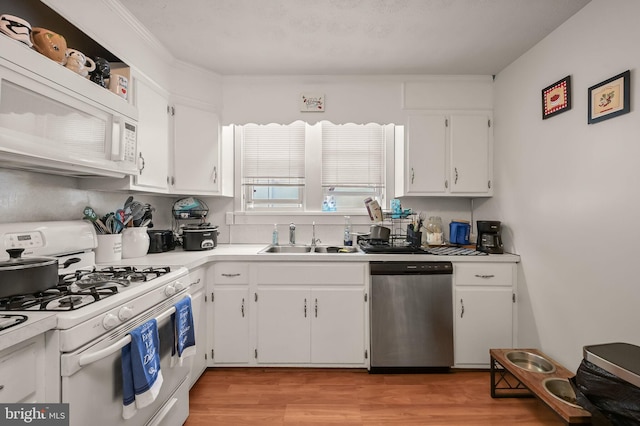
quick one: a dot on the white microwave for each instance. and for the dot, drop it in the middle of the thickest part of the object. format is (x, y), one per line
(56, 121)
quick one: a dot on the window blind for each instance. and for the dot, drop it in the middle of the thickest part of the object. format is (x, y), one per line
(273, 153)
(352, 155)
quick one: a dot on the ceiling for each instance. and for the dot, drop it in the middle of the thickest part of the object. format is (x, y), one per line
(313, 37)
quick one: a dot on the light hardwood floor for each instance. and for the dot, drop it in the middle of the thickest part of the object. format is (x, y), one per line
(277, 396)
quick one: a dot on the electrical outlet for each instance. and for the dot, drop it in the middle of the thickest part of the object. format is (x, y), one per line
(229, 218)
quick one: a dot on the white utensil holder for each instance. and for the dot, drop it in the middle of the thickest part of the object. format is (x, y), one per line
(109, 248)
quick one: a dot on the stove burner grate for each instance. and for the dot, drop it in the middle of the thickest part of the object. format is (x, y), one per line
(56, 299)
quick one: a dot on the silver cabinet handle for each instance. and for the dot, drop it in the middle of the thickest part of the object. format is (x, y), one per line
(462, 308)
(242, 307)
(140, 162)
(305, 307)
(446, 184)
(230, 275)
(413, 175)
(456, 181)
(316, 308)
(215, 174)
(484, 276)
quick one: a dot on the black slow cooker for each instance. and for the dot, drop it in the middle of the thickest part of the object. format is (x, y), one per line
(202, 236)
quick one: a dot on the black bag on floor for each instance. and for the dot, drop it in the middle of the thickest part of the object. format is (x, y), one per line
(610, 399)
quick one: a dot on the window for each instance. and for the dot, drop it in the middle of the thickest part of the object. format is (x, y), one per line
(352, 163)
(273, 166)
(300, 166)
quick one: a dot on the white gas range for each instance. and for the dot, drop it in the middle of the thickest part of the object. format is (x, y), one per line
(96, 307)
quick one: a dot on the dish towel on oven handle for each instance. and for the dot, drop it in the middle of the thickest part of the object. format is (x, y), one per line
(141, 375)
(184, 332)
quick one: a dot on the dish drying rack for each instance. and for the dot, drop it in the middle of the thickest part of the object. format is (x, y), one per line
(402, 228)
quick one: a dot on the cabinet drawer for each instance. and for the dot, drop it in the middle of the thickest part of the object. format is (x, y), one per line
(483, 274)
(18, 369)
(231, 273)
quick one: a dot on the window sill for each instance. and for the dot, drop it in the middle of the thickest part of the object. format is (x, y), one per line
(303, 218)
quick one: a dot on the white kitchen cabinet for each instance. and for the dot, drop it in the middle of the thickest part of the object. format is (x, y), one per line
(197, 289)
(310, 325)
(484, 306)
(230, 314)
(27, 358)
(311, 313)
(153, 135)
(152, 103)
(445, 155)
(200, 166)
(470, 160)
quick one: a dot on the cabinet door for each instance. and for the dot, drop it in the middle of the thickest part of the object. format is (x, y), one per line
(483, 320)
(470, 154)
(153, 135)
(337, 326)
(231, 325)
(196, 135)
(283, 325)
(199, 361)
(425, 156)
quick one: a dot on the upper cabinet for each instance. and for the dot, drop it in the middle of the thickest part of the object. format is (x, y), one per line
(445, 155)
(198, 153)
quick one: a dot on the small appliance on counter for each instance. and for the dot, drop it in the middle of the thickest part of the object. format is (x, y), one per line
(200, 236)
(459, 232)
(489, 237)
(161, 240)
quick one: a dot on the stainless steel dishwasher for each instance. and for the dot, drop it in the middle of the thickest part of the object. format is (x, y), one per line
(411, 316)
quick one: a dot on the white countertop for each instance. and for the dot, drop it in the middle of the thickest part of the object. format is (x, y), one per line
(249, 253)
(38, 323)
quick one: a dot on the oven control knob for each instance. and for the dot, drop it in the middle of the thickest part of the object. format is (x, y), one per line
(109, 321)
(125, 313)
(169, 290)
(178, 286)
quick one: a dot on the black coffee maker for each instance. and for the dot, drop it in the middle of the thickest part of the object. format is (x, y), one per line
(489, 237)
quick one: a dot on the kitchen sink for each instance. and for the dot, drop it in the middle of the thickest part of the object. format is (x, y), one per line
(336, 249)
(286, 249)
(289, 249)
(561, 389)
(530, 362)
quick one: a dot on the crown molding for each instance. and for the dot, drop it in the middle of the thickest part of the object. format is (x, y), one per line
(141, 31)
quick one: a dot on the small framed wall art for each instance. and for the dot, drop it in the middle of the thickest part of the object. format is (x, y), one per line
(312, 102)
(610, 98)
(556, 98)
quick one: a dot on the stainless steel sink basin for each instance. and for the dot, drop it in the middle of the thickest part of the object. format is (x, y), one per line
(336, 249)
(289, 249)
(286, 249)
(561, 389)
(530, 362)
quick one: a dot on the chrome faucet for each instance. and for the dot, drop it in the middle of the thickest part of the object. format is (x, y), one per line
(292, 234)
(314, 240)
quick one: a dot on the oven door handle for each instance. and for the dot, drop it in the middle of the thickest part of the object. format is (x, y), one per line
(87, 359)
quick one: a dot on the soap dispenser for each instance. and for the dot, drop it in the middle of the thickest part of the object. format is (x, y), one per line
(274, 236)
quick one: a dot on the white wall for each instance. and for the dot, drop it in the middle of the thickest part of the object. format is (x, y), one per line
(568, 191)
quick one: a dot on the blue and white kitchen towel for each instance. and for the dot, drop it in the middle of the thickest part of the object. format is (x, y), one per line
(184, 332)
(141, 375)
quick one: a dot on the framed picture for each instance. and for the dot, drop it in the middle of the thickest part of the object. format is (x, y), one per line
(556, 98)
(610, 98)
(312, 102)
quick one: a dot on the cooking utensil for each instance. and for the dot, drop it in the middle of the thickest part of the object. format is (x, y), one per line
(90, 214)
(27, 275)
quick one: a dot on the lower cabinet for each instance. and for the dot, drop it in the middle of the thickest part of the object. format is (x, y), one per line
(292, 313)
(27, 358)
(311, 325)
(484, 306)
(197, 291)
